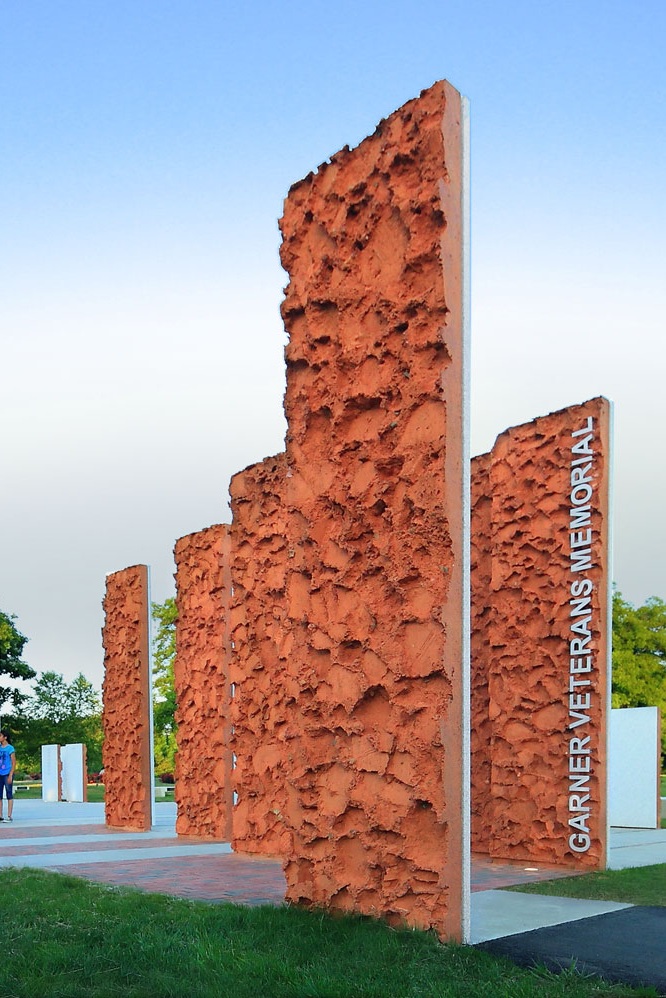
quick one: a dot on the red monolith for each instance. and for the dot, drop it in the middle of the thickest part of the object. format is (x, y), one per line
(126, 715)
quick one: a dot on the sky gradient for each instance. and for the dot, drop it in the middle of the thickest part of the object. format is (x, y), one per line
(146, 151)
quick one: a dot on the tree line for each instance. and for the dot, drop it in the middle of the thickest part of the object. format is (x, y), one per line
(58, 712)
(55, 712)
(639, 657)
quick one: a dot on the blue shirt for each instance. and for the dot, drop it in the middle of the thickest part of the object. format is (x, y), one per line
(6, 759)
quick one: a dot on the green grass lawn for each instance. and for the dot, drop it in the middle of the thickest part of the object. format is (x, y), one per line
(68, 938)
(95, 794)
(639, 885)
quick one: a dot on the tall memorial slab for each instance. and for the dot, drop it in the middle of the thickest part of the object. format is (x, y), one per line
(373, 662)
(126, 716)
(74, 772)
(202, 684)
(481, 609)
(265, 688)
(541, 587)
(51, 773)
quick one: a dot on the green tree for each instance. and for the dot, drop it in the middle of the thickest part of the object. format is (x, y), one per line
(83, 699)
(12, 643)
(164, 705)
(58, 713)
(639, 656)
(49, 702)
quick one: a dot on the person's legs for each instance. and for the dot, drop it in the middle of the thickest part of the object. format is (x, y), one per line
(9, 790)
(2, 788)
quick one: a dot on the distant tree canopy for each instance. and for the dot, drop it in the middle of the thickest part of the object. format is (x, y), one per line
(58, 713)
(164, 707)
(639, 656)
(11, 648)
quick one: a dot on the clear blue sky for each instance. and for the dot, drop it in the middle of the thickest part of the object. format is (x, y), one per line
(147, 146)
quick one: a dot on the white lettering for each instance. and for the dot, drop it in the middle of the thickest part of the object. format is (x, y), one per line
(579, 843)
(581, 627)
(580, 821)
(580, 517)
(587, 428)
(581, 475)
(581, 560)
(580, 605)
(581, 494)
(578, 802)
(582, 447)
(581, 587)
(581, 538)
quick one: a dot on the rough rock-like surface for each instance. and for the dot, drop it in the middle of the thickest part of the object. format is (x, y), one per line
(540, 648)
(372, 661)
(264, 690)
(480, 610)
(126, 697)
(203, 692)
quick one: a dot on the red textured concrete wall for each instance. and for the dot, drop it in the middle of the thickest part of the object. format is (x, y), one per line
(540, 647)
(201, 671)
(265, 690)
(126, 695)
(481, 609)
(374, 583)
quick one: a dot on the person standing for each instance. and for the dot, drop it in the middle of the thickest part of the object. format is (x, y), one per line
(7, 767)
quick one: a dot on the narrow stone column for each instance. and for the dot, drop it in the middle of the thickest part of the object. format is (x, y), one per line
(126, 717)
(264, 688)
(201, 674)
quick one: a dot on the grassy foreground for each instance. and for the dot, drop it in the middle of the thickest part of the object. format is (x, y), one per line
(68, 938)
(638, 885)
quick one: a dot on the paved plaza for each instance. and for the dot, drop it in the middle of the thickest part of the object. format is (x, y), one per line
(621, 942)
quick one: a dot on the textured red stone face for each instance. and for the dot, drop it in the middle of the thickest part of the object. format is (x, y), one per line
(348, 550)
(481, 607)
(201, 673)
(126, 693)
(262, 639)
(540, 589)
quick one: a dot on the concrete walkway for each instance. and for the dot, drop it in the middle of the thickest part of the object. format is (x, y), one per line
(72, 838)
(497, 914)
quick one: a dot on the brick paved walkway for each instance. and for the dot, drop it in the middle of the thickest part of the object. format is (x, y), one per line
(165, 863)
(239, 879)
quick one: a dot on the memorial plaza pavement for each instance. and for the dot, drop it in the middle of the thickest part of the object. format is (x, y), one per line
(72, 838)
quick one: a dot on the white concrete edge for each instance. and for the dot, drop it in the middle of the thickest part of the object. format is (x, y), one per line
(151, 693)
(55, 860)
(497, 913)
(466, 917)
(42, 841)
(609, 614)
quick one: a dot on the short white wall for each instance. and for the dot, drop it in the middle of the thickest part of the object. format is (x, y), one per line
(74, 775)
(51, 772)
(633, 767)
